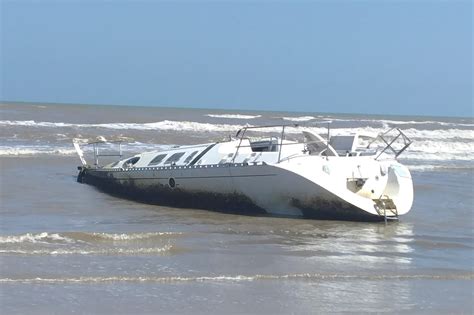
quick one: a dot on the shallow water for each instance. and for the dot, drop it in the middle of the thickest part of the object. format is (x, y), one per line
(67, 248)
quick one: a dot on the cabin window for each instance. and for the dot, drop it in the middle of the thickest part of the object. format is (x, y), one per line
(174, 158)
(131, 162)
(157, 160)
(190, 157)
(264, 145)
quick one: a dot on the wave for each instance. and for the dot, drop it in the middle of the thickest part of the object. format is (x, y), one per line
(105, 251)
(440, 151)
(301, 118)
(73, 237)
(419, 150)
(428, 145)
(165, 125)
(440, 156)
(427, 122)
(434, 167)
(246, 278)
(35, 150)
(388, 122)
(131, 236)
(233, 116)
(68, 150)
(191, 126)
(43, 237)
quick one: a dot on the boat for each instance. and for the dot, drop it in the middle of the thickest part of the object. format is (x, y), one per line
(302, 174)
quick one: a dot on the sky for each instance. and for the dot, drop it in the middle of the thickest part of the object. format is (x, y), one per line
(372, 57)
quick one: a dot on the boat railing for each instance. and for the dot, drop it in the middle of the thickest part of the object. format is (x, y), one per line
(390, 142)
(241, 136)
(96, 148)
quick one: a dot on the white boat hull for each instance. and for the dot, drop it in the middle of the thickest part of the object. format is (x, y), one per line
(233, 188)
(313, 178)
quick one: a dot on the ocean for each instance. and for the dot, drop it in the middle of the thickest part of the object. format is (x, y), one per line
(66, 247)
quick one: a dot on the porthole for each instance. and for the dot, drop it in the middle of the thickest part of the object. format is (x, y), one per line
(171, 182)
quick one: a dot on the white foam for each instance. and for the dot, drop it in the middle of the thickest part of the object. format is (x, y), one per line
(43, 237)
(131, 236)
(388, 122)
(165, 125)
(20, 150)
(191, 126)
(428, 145)
(33, 150)
(233, 116)
(440, 150)
(32, 123)
(245, 278)
(170, 125)
(107, 251)
(301, 118)
(436, 134)
(424, 122)
(441, 156)
(423, 168)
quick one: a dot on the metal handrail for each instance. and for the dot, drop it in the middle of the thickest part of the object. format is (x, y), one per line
(406, 142)
(283, 144)
(243, 130)
(96, 144)
(265, 126)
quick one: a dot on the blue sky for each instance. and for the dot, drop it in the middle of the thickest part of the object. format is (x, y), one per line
(379, 57)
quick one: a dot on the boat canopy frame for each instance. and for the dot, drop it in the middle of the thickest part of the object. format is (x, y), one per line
(389, 143)
(382, 136)
(241, 134)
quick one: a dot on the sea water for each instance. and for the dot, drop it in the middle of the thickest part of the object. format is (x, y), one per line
(69, 248)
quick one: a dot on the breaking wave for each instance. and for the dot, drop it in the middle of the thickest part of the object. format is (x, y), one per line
(430, 146)
(20, 150)
(245, 278)
(434, 167)
(428, 122)
(73, 237)
(68, 150)
(233, 116)
(440, 151)
(301, 118)
(387, 122)
(190, 126)
(43, 237)
(132, 236)
(84, 243)
(104, 251)
(165, 125)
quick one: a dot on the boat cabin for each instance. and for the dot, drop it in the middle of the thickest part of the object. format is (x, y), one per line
(247, 150)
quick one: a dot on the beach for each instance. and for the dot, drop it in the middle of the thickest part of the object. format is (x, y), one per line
(66, 247)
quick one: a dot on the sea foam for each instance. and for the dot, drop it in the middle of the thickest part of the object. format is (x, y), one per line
(445, 144)
(35, 150)
(233, 116)
(104, 251)
(301, 118)
(247, 278)
(43, 237)
(191, 126)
